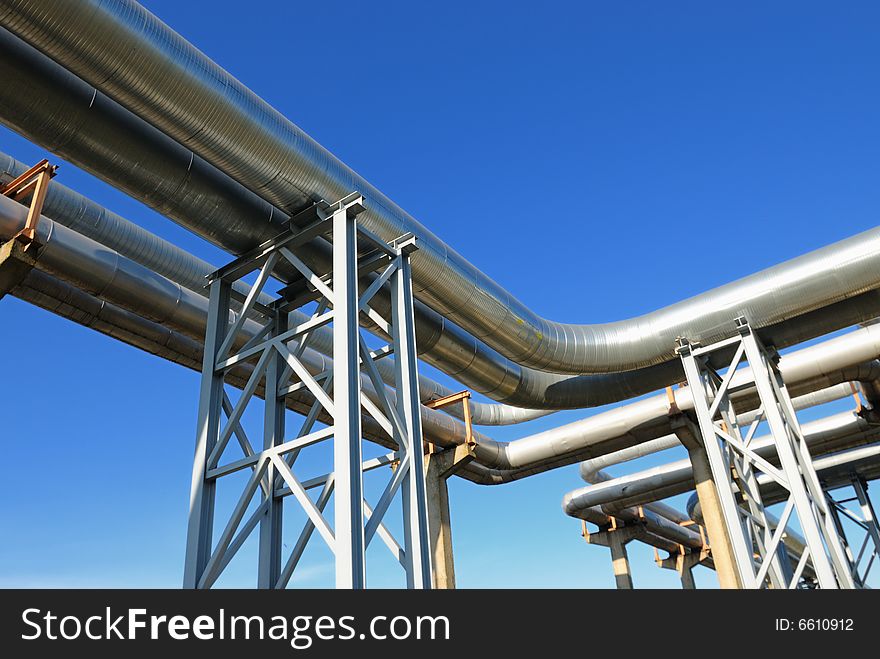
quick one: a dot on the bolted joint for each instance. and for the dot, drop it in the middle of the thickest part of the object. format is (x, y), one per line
(683, 347)
(407, 243)
(353, 204)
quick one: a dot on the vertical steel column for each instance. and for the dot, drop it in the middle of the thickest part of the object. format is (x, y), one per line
(869, 517)
(202, 493)
(349, 523)
(269, 569)
(415, 511)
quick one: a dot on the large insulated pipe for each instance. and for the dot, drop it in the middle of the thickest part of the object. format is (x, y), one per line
(54, 108)
(84, 216)
(129, 54)
(822, 436)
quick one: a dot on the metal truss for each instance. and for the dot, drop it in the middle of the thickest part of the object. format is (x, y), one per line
(272, 358)
(755, 537)
(865, 520)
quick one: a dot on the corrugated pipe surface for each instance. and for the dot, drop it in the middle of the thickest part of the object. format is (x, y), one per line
(129, 54)
(54, 108)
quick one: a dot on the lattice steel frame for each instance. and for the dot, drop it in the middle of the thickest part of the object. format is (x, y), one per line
(755, 542)
(866, 520)
(275, 351)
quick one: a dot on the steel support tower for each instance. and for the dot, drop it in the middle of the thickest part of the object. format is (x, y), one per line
(746, 540)
(256, 338)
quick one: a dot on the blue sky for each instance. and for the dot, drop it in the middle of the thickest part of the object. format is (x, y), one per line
(598, 159)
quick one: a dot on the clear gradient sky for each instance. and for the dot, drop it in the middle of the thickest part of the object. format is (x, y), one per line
(598, 159)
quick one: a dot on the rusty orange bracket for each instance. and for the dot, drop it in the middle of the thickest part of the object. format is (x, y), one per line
(671, 404)
(464, 397)
(856, 391)
(36, 181)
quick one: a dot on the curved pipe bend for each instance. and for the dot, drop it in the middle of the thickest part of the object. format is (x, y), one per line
(52, 107)
(178, 89)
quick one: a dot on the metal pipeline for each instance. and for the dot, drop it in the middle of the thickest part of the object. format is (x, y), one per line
(54, 108)
(175, 87)
(105, 273)
(832, 433)
(51, 107)
(662, 525)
